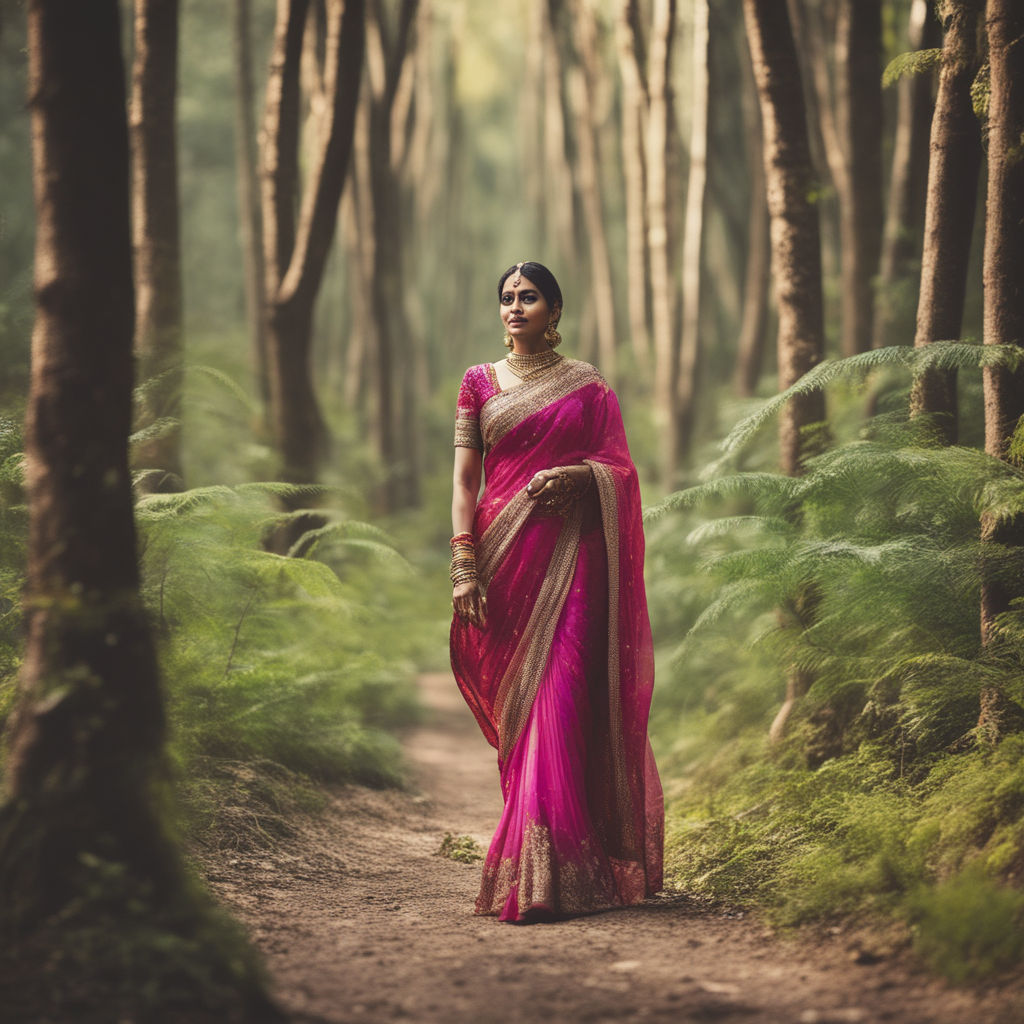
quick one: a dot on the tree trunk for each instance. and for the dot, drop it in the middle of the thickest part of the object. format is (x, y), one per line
(601, 290)
(757, 276)
(564, 209)
(1004, 287)
(813, 26)
(398, 439)
(690, 356)
(796, 255)
(859, 110)
(796, 245)
(156, 241)
(250, 224)
(904, 221)
(634, 170)
(295, 254)
(82, 844)
(666, 353)
(949, 215)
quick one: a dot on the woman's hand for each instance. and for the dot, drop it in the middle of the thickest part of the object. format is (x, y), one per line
(549, 485)
(470, 603)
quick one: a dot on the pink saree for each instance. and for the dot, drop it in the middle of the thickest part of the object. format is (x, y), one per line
(560, 678)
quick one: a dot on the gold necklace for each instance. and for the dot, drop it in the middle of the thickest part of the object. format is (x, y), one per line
(527, 365)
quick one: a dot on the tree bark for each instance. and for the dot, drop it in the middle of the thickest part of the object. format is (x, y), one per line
(666, 352)
(690, 356)
(398, 441)
(250, 223)
(634, 170)
(82, 843)
(296, 253)
(904, 222)
(859, 109)
(949, 216)
(796, 258)
(601, 290)
(757, 275)
(795, 237)
(1004, 287)
(156, 241)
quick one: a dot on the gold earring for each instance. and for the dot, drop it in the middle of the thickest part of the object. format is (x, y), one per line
(508, 340)
(551, 335)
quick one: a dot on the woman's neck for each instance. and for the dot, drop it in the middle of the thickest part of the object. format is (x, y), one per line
(530, 346)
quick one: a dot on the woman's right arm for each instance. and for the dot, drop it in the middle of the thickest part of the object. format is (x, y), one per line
(468, 599)
(465, 488)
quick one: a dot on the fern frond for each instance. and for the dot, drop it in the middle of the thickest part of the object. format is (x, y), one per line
(285, 491)
(158, 428)
(164, 506)
(344, 530)
(941, 355)
(730, 524)
(228, 383)
(731, 596)
(915, 62)
(775, 488)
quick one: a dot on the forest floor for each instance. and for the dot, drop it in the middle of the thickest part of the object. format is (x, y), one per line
(359, 919)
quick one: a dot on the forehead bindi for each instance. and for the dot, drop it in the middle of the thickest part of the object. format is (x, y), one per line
(524, 286)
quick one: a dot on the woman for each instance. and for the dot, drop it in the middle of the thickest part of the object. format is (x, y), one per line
(550, 642)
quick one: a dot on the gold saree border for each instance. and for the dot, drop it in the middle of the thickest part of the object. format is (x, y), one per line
(503, 411)
(608, 496)
(578, 885)
(503, 530)
(521, 680)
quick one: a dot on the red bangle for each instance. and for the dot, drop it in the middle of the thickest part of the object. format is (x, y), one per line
(462, 538)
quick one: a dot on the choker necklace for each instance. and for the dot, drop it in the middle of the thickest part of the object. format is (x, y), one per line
(527, 365)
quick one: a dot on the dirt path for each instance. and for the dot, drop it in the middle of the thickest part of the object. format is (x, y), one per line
(361, 921)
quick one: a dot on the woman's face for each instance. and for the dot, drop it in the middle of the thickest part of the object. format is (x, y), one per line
(524, 310)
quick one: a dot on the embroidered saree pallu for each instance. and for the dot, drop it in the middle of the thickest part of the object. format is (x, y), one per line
(560, 677)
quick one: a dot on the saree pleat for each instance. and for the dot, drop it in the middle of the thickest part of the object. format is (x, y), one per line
(560, 678)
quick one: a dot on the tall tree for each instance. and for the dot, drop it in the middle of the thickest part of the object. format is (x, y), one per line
(295, 252)
(583, 39)
(1004, 258)
(949, 216)
(690, 356)
(250, 223)
(757, 274)
(387, 51)
(859, 115)
(666, 352)
(81, 841)
(634, 171)
(796, 256)
(908, 180)
(156, 240)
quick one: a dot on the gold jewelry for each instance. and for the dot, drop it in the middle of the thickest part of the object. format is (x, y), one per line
(508, 340)
(551, 335)
(563, 490)
(518, 279)
(528, 365)
(463, 568)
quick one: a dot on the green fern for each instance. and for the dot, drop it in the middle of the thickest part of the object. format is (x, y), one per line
(916, 62)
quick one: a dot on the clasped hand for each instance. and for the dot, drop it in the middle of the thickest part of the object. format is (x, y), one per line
(558, 488)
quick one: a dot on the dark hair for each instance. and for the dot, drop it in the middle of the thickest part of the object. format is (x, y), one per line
(541, 277)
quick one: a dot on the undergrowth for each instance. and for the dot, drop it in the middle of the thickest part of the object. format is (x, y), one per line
(882, 802)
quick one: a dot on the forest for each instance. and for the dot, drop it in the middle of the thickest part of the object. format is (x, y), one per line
(247, 251)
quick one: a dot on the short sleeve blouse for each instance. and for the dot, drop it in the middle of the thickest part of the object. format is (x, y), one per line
(478, 384)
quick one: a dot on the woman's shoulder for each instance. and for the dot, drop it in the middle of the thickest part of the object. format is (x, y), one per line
(478, 384)
(586, 372)
(479, 372)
